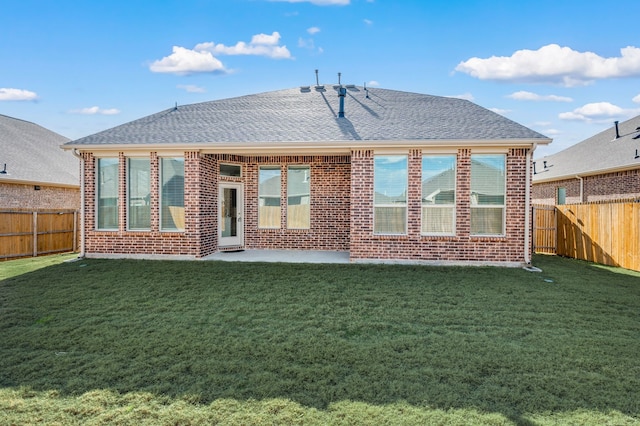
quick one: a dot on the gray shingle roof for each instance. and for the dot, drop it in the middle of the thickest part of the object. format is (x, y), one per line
(298, 115)
(598, 154)
(32, 154)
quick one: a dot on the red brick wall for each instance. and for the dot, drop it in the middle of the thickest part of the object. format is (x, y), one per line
(330, 198)
(609, 186)
(19, 196)
(414, 246)
(337, 221)
(132, 242)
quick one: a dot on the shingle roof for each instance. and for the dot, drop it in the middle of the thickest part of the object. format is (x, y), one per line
(308, 115)
(32, 154)
(598, 154)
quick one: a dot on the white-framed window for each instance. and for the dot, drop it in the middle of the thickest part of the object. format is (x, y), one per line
(488, 194)
(269, 190)
(390, 180)
(138, 194)
(107, 198)
(439, 194)
(298, 197)
(171, 193)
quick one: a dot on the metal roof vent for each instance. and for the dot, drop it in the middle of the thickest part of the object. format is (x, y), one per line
(617, 130)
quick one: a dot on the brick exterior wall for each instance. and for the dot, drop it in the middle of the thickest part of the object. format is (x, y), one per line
(605, 187)
(459, 248)
(18, 196)
(338, 220)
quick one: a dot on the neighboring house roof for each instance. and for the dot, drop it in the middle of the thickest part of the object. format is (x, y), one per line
(303, 117)
(32, 155)
(599, 154)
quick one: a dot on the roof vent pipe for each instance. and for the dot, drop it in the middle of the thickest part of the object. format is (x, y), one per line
(317, 80)
(342, 92)
(617, 130)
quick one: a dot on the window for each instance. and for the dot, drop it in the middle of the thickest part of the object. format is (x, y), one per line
(390, 194)
(269, 197)
(298, 197)
(232, 170)
(139, 193)
(438, 194)
(171, 194)
(107, 193)
(562, 195)
(487, 194)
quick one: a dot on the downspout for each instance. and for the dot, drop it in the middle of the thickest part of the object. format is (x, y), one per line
(527, 207)
(581, 179)
(82, 237)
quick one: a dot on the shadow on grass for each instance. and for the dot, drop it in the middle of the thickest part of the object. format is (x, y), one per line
(487, 340)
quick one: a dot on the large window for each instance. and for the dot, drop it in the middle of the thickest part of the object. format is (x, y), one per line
(487, 194)
(107, 193)
(138, 193)
(269, 197)
(438, 194)
(390, 194)
(171, 194)
(298, 197)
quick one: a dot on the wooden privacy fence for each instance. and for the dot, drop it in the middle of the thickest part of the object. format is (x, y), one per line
(32, 233)
(544, 229)
(607, 233)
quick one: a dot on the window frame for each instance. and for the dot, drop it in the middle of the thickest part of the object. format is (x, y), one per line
(129, 192)
(277, 167)
(161, 194)
(391, 205)
(308, 194)
(477, 206)
(434, 206)
(98, 168)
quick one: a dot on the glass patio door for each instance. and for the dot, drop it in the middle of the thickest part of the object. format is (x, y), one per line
(230, 220)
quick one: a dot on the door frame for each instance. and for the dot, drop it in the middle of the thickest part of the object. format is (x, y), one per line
(237, 241)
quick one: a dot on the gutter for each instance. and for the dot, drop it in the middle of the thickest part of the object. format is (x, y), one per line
(82, 236)
(527, 206)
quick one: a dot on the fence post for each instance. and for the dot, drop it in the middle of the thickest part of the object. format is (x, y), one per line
(35, 234)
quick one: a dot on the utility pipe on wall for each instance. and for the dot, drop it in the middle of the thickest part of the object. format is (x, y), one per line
(581, 179)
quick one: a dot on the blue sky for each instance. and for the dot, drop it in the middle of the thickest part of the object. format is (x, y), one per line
(567, 69)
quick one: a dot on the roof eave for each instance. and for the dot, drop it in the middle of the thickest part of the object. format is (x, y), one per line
(587, 173)
(306, 146)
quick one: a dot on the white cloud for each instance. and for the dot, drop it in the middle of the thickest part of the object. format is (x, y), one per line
(313, 30)
(597, 112)
(468, 96)
(368, 21)
(554, 64)
(500, 111)
(319, 2)
(94, 110)
(8, 94)
(373, 83)
(186, 61)
(260, 45)
(529, 96)
(191, 88)
(636, 99)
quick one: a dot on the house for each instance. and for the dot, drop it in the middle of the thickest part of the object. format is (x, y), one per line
(338, 168)
(34, 173)
(603, 167)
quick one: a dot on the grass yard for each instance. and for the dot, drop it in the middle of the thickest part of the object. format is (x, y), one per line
(161, 342)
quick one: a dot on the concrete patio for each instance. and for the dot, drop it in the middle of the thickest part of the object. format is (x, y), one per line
(287, 256)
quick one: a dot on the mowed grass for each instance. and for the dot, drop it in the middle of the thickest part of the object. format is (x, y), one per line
(161, 342)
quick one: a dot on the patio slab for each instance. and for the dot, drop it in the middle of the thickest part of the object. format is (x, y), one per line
(285, 256)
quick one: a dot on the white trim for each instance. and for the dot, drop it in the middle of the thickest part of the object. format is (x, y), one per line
(285, 147)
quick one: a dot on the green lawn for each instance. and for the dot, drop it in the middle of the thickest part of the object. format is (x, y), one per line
(160, 342)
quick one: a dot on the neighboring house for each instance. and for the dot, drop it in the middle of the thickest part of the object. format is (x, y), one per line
(313, 168)
(603, 167)
(34, 172)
